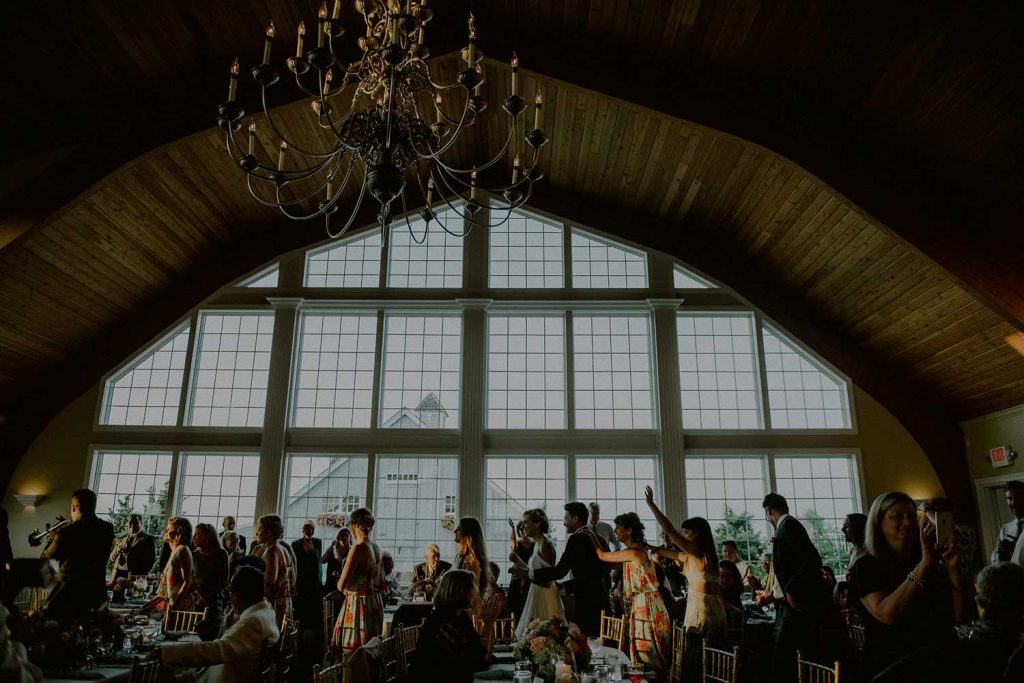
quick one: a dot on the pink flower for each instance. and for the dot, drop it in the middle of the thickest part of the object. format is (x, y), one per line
(533, 624)
(574, 630)
(537, 643)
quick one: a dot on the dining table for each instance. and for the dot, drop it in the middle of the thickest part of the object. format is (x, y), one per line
(505, 663)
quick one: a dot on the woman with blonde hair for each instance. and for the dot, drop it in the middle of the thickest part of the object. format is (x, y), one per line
(363, 586)
(910, 591)
(542, 601)
(279, 578)
(447, 637)
(177, 589)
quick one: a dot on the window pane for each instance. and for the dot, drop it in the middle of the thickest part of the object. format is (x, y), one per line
(354, 262)
(426, 256)
(684, 279)
(421, 371)
(821, 492)
(128, 482)
(413, 496)
(526, 252)
(801, 393)
(323, 489)
(148, 392)
(526, 372)
(727, 491)
(219, 484)
(229, 386)
(334, 382)
(616, 483)
(266, 278)
(517, 484)
(598, 263)
(612, 372)
(717, 371)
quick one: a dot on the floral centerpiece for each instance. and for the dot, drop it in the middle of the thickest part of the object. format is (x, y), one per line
(448, 523)
(71, 645)
(334, 519)
(550, 642)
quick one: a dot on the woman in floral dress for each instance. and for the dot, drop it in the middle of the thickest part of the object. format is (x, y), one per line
(650, 626)
(363, 586)
(280, 575)
(177, 587)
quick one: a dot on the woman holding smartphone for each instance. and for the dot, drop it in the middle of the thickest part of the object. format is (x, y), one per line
(911, 591)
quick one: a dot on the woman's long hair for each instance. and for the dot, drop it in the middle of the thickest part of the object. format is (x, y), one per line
(874, 538)
(631, 522)
(472, 543)
(704, 540)
(210, 533)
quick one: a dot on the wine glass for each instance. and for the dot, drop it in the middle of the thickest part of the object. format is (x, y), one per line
(595, 646)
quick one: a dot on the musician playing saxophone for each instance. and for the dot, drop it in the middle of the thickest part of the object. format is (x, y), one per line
(134, 553)
(82, 549)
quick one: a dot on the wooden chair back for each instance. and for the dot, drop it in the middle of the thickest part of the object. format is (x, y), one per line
(675, 674)
(735, 620)
(330, 674)
(392, 657)
(183, 621)
(286, 651)
(144, 671)
(504, 630)
(721, 666)
(409, 637)
(613, 631)
(264, 672)
(856, 632)
(810, 672)
(331, 603)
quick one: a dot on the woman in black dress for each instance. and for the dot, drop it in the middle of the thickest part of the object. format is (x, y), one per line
(307, 606)
(334, 557)
(448, 642)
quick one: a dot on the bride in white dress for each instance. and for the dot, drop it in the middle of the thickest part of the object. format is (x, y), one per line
(542, 602)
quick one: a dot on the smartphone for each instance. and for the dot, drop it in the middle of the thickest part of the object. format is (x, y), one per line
(943, 521)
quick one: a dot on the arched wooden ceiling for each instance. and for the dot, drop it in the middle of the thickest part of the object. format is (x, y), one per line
(862, 190)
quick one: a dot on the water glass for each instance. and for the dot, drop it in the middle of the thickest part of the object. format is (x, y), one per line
(615, 672)
(524, 665)
(522, 677)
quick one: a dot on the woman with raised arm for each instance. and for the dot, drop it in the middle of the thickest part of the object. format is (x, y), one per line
(650, 626)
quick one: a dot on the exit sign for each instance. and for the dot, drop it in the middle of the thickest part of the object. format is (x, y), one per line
(999, 456)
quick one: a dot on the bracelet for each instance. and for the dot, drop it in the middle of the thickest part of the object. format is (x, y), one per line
(912, 578)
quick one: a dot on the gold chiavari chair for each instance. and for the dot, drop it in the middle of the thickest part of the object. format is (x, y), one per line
(330, 674)
(144, 671)
(613, 630)
(721, 666)
(409, 636)
(331, 604)
(264, 672)
(182, 621)
(392, 659)
(504, 630)
(286, 651)
(810, 672)
(735, 620)
(675, 674)
(856, 632)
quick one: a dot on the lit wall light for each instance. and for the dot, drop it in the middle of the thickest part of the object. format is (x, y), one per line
(30, 500)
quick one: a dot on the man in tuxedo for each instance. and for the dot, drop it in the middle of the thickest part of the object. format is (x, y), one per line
(82, 549)
(798, 588)
(590, 577)
(426, 574)
(135, 552)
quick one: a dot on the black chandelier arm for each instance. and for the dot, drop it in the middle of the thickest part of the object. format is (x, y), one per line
(467, 216)
(484, 166)
(408, 225)
(452, 137)
(351, 217)
(280, 136)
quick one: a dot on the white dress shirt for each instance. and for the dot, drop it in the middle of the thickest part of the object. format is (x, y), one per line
(1011, 530)
(233, 657)
(605, 531)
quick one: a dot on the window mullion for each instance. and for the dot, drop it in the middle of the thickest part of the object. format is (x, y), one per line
(187, 371)
(670, 407)
(762, 373)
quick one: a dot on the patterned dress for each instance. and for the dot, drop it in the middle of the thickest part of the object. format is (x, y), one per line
(279, 594)
(362, 614)
(650, 627)
(170, 584)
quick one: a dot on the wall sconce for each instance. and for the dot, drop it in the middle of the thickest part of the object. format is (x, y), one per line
(30, 500)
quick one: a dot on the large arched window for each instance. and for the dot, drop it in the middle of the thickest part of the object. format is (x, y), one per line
(428, 376)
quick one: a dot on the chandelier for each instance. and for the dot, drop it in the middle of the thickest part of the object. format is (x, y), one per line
(378, 122)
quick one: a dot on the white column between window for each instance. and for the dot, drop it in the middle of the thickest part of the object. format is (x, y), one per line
(670, 408)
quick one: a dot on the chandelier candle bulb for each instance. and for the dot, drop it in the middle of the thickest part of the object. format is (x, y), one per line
(328, 190)
(280, 155)
(515, 170)
(472, 185)
(515, 75)
(536, 112)
(471, 50)
(336, 12)
(480, 73)
(252, 137)
(266, 45)
(233, 84)
(327, 82)
(322, 27)
(430, 192)
(437, 104)
(302, 36)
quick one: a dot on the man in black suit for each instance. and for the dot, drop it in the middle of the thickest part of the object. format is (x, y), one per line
(135, 552)
(798, 586)
(426, 574)
(590, 578)
(228, 524)
(82, 549)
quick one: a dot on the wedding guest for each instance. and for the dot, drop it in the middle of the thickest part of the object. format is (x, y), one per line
(211, 569)
(228, 524)
(448, 638)
(542, 600)
(362, 583)
(853, 533)
(471, 554)
(234, 656)
(428, 573)
(177, 589)
(798, 590)
(829, 577)
(230, 616)
(280, 576)
(235, 554)
(1010, 546)
(81, 549)
(911, 592)
(999, 631)
(601, 529)
(650, 627)
(732, 586)
(731, 552)
(334, 558)
(308, 603)
(134, 553)
(15, 666)
(520, 545)
(394, 590)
